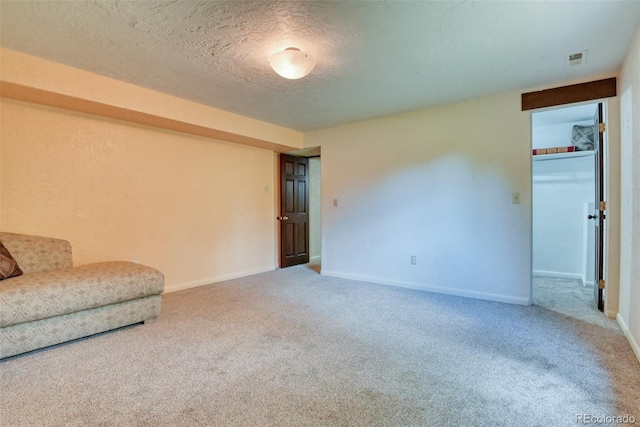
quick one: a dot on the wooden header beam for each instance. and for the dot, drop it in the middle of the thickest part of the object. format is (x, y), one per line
(598, 89)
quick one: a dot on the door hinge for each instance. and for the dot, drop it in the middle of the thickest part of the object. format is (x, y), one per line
(601, 284)
(601, 127)
(603, 206)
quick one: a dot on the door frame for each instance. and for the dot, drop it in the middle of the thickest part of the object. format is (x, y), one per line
(600, 202)
(604, 184)
(593, 91)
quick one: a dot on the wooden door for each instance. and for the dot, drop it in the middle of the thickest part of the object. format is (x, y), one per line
(600, 207)
(294, 210)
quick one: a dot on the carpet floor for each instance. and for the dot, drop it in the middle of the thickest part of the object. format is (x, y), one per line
(569, 297)
(293, 348)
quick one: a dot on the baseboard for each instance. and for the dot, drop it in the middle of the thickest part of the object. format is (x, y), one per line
(630, 338)
(437, 289)
(194, 284)
(315, 258)
(558, 274)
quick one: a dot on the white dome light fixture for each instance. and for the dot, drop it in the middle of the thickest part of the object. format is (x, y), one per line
(292, 63)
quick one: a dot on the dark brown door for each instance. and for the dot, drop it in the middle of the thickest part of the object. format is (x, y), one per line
(599, 214)
(294, 210)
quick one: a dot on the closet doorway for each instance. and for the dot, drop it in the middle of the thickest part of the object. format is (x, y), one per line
(567, 185)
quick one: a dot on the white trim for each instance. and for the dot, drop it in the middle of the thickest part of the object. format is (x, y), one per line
(316, 258)
(558, 274)
(630, 338)
(194, 284)
(437, 289)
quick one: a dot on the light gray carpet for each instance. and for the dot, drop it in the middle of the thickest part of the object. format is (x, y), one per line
(569, 297)
(293, 348)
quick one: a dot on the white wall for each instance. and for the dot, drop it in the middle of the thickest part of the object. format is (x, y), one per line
(558, 135)
(437, 184)
(561, 187)
(315, 215)
(629, 91)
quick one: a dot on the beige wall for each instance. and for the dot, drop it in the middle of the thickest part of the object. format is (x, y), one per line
(315, 216)
(436, 184)
(194, 208)
(32, 79)
(629, 93)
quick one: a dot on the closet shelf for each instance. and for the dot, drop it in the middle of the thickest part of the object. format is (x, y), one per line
(555, 156)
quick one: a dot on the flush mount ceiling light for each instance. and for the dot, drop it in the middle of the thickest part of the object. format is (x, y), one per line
(292, 63)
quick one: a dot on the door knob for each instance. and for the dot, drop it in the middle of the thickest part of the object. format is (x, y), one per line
(592, 216)
(282, 218)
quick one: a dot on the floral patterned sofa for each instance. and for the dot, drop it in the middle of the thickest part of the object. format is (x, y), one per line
(53, 302)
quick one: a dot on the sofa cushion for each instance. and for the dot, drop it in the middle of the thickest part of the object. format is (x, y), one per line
(47, 294)
(35, 254)
(8, 265)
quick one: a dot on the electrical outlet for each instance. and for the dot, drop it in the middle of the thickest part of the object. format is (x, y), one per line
(515, 198)
(414, 260)
(335, 203)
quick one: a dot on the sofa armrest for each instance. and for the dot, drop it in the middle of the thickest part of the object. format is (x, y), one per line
(35, 254)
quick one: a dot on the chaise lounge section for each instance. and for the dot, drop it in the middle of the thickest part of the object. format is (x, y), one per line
(54, 302)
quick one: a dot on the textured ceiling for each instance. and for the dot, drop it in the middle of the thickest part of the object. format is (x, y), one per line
(374, 58)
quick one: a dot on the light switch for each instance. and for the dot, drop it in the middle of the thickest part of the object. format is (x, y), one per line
(515, 198)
